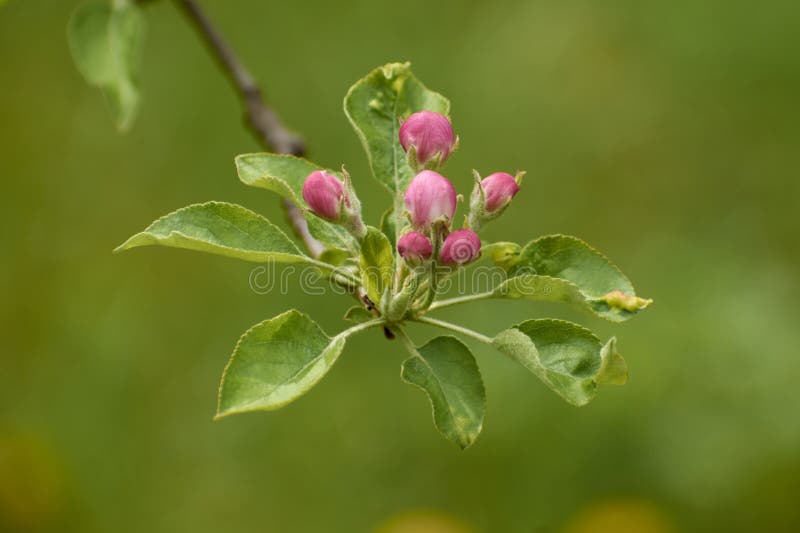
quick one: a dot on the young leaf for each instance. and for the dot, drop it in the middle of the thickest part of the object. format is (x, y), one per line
(376, 263)
(374, 106)
(600, 282)
(219, 228)
(446, 371)
(276, 362)
(105, 41)
(568, 358)
(285, 175)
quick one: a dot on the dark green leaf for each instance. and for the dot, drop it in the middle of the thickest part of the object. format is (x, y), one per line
(276, 362)
(105, 41)
(446, 371)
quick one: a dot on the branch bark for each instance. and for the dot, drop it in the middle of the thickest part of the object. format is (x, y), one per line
(260, 118)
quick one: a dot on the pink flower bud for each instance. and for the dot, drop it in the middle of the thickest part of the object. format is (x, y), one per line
(414, 247)
(499, 189)
(430, 133)
(323, 194)
(429, 197)
(460, 247)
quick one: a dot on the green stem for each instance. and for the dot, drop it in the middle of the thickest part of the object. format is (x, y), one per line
(335, 270)
(460, 300)
(361, 327)
(453, 327)
(406, 341)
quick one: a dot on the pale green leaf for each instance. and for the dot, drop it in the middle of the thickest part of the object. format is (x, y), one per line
(276, 362)
(446, 371)
(220, 228)
(376, 263)
(565, 356)
(334, 236)
(613, 368)
(279, 173)
(597, 279)
(106, 40)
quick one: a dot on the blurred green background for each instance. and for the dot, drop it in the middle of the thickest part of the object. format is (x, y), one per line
(665, 133)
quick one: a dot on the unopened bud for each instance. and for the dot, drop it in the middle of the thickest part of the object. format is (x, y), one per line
(499, 188)
(323, 193)
(415, 248)
(430, 197)
(430, 134)
(460, 247)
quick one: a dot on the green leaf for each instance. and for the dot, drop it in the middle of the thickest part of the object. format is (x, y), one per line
(334, 236)
(597, 279)
(446, 371)
(568, 358)
(220, 228)
(374, 106)
(285, 175)
(377, 263)
(105, 41)
(276, 362)
(388, 226)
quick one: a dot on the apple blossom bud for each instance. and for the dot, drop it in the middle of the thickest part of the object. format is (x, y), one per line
(415, 248)
(499, 188)
(460, 247)
(430, 197)
(430, 134)
(323, 194)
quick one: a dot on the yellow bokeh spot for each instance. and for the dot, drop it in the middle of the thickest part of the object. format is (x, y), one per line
(621, 516)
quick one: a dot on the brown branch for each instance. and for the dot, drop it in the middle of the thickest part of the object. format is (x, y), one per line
(262, 120)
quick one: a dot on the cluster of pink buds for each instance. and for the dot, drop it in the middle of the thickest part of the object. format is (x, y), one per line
(431, 199)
